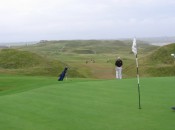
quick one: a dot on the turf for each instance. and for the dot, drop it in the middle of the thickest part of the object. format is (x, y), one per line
(42, 103)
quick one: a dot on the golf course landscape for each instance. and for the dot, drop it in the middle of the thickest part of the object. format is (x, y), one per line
(89, 98)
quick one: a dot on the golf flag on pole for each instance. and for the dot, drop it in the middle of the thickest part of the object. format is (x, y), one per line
(134, 47)
(134, 50)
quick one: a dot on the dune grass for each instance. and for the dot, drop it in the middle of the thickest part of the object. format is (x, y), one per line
(42, 103)
(78, 54)
(50, 57)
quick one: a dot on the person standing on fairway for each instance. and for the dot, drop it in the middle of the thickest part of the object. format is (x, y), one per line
(118, 68)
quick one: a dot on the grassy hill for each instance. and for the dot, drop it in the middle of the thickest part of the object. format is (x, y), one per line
(162, 55)
(14, 59)
(158, 63)
(91, 58)
(24, 62)
(95, 58)
(54, 48)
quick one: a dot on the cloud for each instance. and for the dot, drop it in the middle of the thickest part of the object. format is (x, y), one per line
(69, 19)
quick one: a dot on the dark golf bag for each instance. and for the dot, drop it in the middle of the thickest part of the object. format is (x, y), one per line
(62, 75)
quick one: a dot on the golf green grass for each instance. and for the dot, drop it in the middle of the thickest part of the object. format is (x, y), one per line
(43, 103)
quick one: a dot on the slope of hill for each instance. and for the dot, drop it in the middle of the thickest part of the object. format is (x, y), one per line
(160, 62)
(91, 58)
(94, 59)
(28, 63)
(86, 47)
(163, 54)
(13, 59)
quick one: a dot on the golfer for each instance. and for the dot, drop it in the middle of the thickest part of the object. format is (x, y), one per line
(118, 68)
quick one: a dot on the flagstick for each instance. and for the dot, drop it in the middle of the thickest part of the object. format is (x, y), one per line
(134, 50)
(138, 80)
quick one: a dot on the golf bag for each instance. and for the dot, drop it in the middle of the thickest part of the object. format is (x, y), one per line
(62, 75)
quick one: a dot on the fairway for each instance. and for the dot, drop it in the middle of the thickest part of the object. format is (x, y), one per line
(43, 103)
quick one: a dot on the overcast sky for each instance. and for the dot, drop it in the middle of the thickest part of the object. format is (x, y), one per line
(33, 20)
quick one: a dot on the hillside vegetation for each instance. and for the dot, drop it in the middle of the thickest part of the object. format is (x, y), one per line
(55, 48)
(28, 63)
(95, 58)
(160, 62)
(14, 59)
(162, 55)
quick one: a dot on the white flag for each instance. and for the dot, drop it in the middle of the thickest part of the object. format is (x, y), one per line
(134, 47)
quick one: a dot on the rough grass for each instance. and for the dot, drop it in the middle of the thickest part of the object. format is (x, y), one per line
(42, 103)
(28, 63)
(163, 55)
(79, 54)
(14, 59)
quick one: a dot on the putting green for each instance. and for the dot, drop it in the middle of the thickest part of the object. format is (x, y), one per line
(42, 103)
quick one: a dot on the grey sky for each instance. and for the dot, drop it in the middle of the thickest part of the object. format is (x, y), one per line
(32, 20)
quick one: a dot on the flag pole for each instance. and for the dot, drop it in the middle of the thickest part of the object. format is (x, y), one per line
(134, 50)
(138, 82)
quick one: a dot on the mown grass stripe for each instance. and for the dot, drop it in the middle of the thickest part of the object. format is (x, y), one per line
(91, 105)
